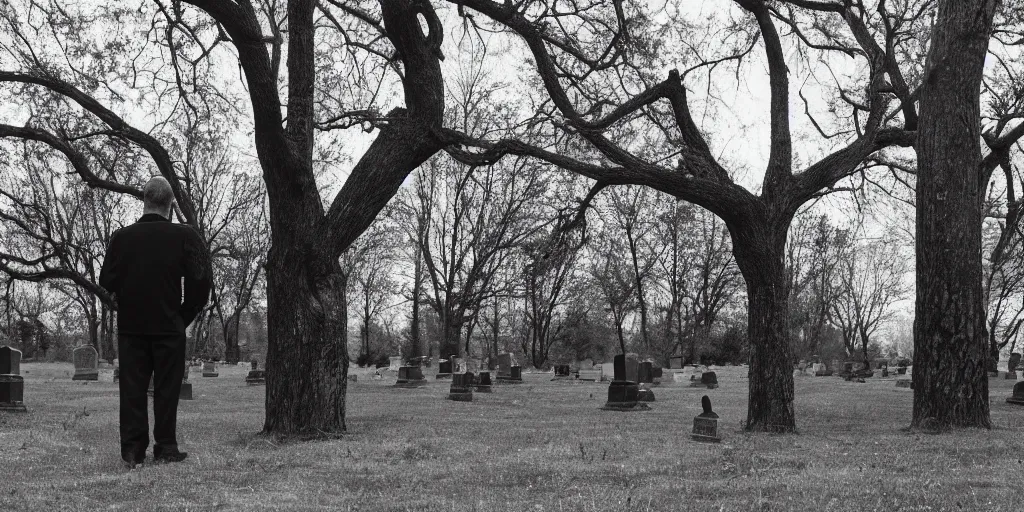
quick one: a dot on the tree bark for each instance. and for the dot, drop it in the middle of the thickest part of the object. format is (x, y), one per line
(308, 354)
(759, 248)
(950, 353)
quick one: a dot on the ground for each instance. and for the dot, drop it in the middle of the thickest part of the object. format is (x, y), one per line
(540, 445)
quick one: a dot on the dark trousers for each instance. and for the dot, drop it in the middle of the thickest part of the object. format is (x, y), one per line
(140, 358)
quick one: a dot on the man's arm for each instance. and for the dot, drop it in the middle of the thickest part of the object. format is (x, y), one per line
(109, 272)
(198, 276)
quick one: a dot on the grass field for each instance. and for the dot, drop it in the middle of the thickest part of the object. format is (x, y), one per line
(540, 445)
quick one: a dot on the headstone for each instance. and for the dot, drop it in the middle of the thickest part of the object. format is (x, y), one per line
(12, 384)
(353, 378)
(590, 375)
(705, 424)
(904, 383)
(255, 377)
(587, 364)
(1018, 394)
(885, 371)
(461, 389)
(709, 379)
(445, 368)
(395, 363)
(210, 369)
(483, 382)
(86, 363)
(10, 361)
(410, 377)
(645, 373)
(607, 371)
(901, 370)
(186, 389)
(254, 365)
(658, 373)
(562, 372)
(623, 394)
(508, 371)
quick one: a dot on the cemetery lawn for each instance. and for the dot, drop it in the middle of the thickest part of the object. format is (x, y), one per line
(540, 445)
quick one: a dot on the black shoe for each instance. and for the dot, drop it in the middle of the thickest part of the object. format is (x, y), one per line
(132, 462)
(170, 456)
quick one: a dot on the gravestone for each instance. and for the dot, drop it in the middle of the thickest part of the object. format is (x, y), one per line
(186, 388)
(445, 368)
(607, 371)
(255, 377)
(87, 365)
(352, 378)
(709, 379)
(10, 361)
(645, 377)
(461, 389)
(210, 369)
(657, 373)
(591, 374)
(705, 424)
(623, 393)
(508, 371)
(645, 373)
(1018, 394)
(12, 384)
(562, 372)
(904, 383)
(483, 382)
(394, 363)
(410, 377)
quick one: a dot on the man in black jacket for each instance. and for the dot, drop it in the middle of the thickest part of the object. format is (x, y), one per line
(144, 268)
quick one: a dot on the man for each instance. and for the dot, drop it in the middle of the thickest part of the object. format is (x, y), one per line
(144, 268)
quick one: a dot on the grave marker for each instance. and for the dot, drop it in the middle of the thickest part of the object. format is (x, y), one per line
(705, 424)
(461, 389)
(87, 365)
(623, 394)
(483, 382)
(210, 369)
(508, 371)
(410, 377)
(1018, 394)
(445, 368)
(12, 384)
(562, 372)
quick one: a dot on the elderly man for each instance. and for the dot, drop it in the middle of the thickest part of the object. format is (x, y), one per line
(144, 268)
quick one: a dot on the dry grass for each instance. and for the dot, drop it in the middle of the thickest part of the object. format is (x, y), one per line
(537, 446)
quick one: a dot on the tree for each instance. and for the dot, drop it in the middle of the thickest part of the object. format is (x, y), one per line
(870, 279)
(593, 106)
(950, 353)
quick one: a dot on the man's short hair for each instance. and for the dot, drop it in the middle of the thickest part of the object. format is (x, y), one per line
(157, 193)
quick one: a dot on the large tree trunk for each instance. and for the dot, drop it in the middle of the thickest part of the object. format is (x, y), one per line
(308, 353)
(950, 353)
(759, 248)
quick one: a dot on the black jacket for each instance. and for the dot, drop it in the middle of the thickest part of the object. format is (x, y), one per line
(144, 268)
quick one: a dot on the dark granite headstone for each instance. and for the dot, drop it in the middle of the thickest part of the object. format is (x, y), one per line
(483, 382)
(705, 424)
(709, 379)
(445, 368)
(254, 365)
(87, 364)
(12, 384)
(461, 389)
(624, 394)
(255, 377)
(10, 361)
(410, 377)
(1018, 394)
(645, 373)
